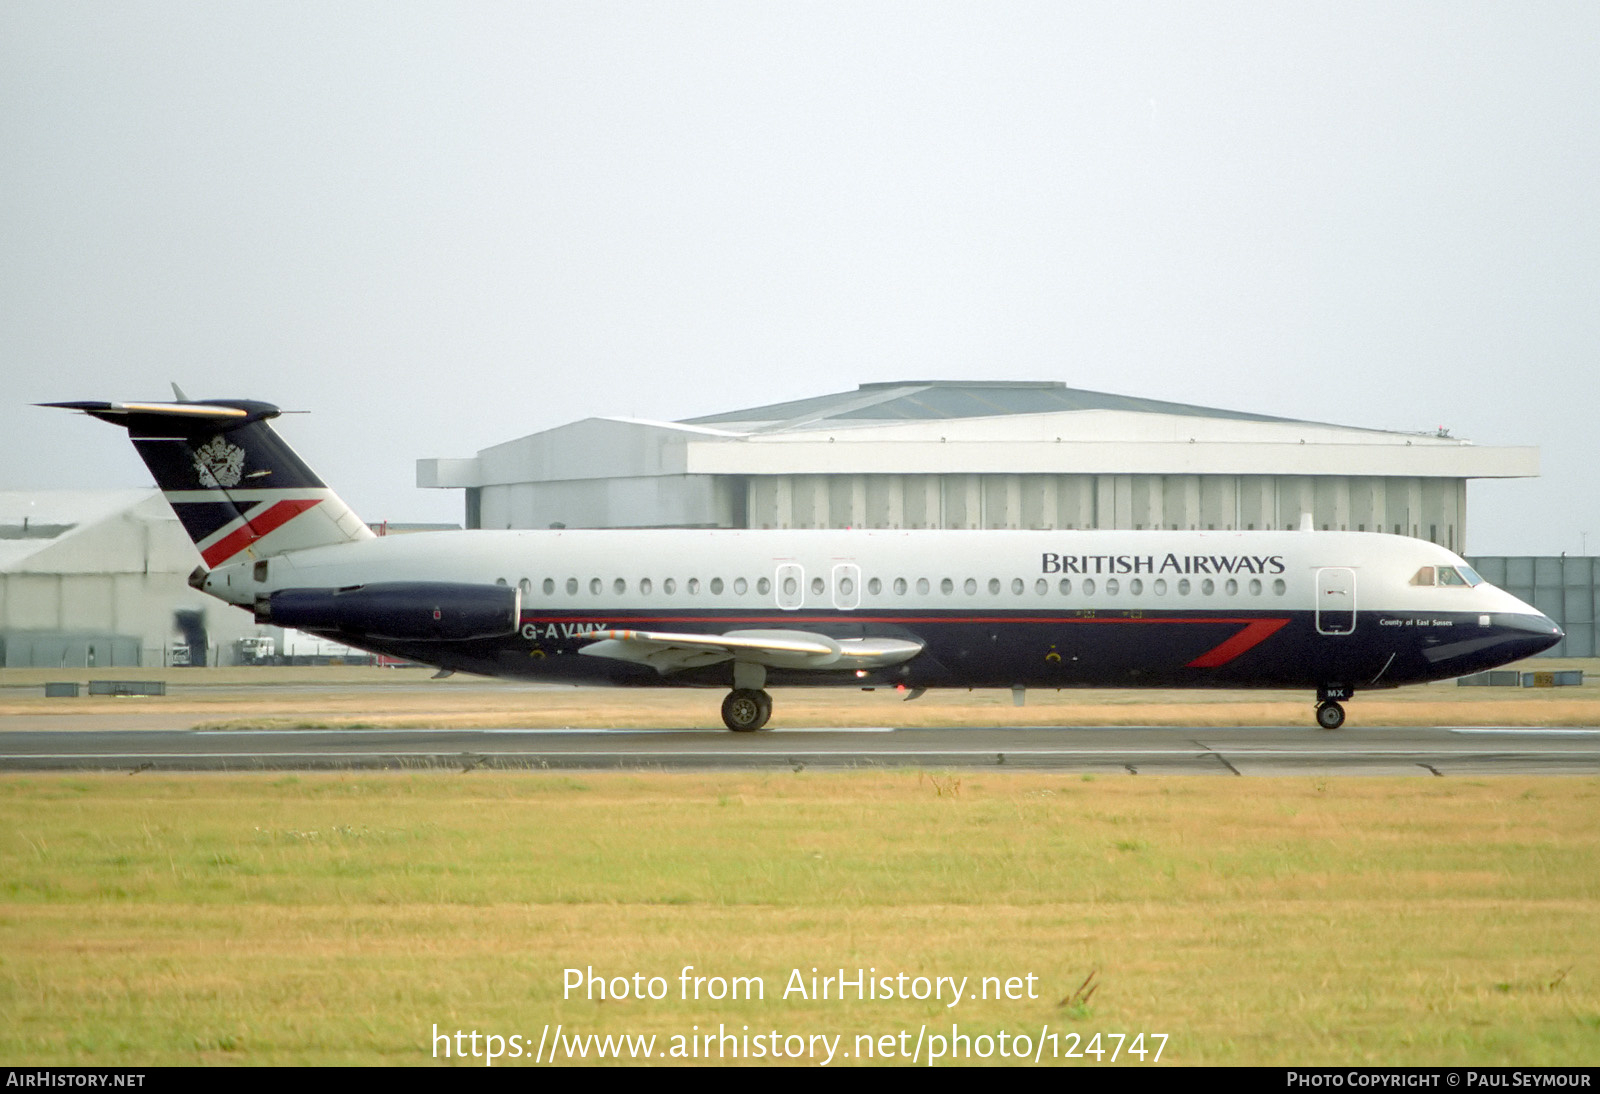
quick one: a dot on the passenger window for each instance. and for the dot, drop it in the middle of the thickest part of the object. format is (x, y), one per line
(1161, 586)
(1231, 588)
(1066, 586)
(994, 586)
(740, 586)
(1113, 586)
(1183, 586)
(1041, 586)
(619, 586)
(644, 586)
(969, 586)
(791, 587)
(1279, 587)
(501, 581)
(594, 586)
(1136, 586)
(875, 586)
(922, 586)
(525, 586)
(572, 586)
(818, 586)
(1088, 586)
(692, 586)
(846, 587)
(899, 586)
(549, 586)
(669, 586)
(1016, 586)
(763, 586)
(716, 586)
(946, 586)
(1208, 586)
(1255, 586)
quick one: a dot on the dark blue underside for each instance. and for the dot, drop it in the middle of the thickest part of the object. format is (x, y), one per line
(1037, 649)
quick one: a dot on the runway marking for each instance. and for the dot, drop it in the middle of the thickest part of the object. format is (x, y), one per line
(1518, 731)
(563, 732)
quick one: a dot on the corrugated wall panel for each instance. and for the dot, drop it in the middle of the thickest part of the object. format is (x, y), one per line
(1566, 588)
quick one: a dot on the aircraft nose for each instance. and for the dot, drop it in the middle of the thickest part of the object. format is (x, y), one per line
(1537, 632)
(1505, 638)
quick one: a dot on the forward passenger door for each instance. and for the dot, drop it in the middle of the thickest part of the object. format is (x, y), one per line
(1336, 600)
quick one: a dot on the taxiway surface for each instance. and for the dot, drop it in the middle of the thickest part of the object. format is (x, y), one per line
(1286, 750)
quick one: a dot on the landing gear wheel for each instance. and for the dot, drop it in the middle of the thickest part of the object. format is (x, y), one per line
(1330, 715)
(746, 710)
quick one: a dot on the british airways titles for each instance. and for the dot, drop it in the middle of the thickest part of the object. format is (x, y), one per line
(1053, 563)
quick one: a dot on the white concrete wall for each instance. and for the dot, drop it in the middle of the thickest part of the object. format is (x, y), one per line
(118, 574)
(683, 501)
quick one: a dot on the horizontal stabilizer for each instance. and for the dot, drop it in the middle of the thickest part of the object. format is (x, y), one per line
(223, 412)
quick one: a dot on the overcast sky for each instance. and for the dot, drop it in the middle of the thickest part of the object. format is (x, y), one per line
(441, 226)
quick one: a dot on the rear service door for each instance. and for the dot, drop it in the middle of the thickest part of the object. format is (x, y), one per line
(1336, 600)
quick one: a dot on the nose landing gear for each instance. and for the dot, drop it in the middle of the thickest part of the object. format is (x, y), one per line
(1330, 714)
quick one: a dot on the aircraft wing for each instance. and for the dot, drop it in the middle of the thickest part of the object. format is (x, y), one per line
(668, 652)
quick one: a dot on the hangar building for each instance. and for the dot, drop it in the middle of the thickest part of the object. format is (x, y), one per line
(96, 579)
(944, 454)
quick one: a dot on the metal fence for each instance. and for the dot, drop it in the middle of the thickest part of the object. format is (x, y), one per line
(1564, 587)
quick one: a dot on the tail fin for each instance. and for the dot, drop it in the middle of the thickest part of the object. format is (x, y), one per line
(235, 485)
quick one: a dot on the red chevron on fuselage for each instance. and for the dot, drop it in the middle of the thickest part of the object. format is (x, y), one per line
(1255, 632)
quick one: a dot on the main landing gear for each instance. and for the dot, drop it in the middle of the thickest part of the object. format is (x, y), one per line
(746, 710)
(1330, 714)
(747, 707)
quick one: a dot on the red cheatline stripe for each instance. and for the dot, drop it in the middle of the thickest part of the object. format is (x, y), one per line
(246, 534)
(1254, 634)
(776, 617)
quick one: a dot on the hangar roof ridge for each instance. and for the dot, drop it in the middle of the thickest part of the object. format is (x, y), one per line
(909, 400)
(34, 521)
(657, 423)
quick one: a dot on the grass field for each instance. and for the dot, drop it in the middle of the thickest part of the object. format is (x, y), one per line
(337, 919)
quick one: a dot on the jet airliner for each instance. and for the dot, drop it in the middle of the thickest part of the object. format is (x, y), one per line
(1328, 612)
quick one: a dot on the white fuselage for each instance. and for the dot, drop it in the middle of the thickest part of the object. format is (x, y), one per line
(846, 571)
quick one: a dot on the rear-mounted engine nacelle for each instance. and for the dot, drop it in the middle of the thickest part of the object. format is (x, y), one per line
(407, 610)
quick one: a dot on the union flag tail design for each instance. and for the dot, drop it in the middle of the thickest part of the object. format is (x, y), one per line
(234, 483)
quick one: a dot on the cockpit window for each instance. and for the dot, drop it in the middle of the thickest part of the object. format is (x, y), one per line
(1447, 575)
